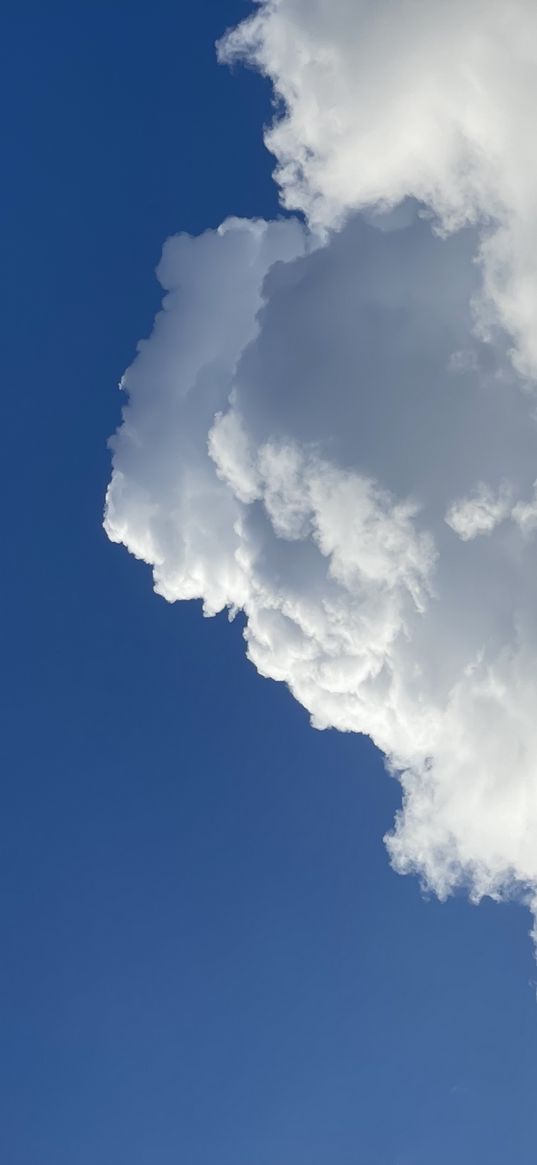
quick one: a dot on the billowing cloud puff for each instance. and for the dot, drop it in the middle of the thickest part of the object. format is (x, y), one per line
(429, 98)
(321, 433)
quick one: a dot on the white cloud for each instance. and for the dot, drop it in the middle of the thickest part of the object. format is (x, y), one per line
(480, 513)
(165, 501)
(525, 513)
(318, 434)
(394, 98)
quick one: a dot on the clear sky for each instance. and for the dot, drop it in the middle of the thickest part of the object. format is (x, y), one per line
(206, 957)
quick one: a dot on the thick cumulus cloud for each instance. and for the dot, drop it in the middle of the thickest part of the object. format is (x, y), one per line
(322, 433)
(430, 98)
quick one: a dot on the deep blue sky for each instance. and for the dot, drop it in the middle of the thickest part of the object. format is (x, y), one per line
(206, 959)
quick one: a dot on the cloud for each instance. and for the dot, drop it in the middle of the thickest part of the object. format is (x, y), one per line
(321, 432)
(383, 99)
(480, 513)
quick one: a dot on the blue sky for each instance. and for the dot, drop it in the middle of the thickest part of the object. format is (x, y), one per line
(206, 956)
